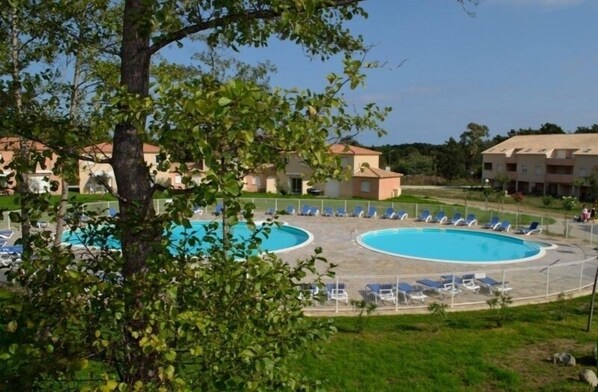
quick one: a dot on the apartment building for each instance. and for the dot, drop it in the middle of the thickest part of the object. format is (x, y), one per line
(542, 164)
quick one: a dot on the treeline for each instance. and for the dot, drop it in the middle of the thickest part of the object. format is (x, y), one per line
(456, 159)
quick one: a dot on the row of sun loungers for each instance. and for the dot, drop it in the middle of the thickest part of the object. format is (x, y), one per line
(425, 216)
(447, 286)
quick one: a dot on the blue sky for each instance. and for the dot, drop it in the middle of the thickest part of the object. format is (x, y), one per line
(515, 64)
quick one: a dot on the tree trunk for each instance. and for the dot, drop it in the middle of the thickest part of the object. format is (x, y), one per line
(139, 233)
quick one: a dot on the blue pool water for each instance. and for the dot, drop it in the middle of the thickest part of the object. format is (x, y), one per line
(281, 238)
(451, 245)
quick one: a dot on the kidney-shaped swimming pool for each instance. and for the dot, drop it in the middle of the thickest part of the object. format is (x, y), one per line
(452, 245)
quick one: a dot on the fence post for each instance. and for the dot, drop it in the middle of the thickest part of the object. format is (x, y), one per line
(547, 281)
(336, 296)
(581, 275)
(397, 291)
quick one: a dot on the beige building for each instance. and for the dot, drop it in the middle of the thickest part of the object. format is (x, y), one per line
(367, 180)
(542, 164)
(39, 180)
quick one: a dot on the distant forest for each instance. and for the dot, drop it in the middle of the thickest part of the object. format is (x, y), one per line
(455, 160)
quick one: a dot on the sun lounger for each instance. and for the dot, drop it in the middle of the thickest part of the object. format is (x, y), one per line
(337, 292)
(439, 218)
(493, 224)
(6, 233)
(466, 282)
(313, 211)
(10, 255)
(503, 226)
(389, 213)
(442, 288)
(372, 213)
(532, 229)
(328, 211)
(304, 210)
(357, 212)
(424, 216)
(411, 293)
(400, 215)
(290, 210)
(341, 211)
(381, 292)
(469, 221)
(493, 285)
(455, 220)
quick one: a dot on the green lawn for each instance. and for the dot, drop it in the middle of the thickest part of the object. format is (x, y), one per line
(466, 353)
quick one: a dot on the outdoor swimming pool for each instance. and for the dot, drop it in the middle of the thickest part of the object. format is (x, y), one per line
(281, 238)
(452, 245)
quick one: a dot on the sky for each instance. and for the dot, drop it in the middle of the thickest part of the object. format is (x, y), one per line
(514, 64)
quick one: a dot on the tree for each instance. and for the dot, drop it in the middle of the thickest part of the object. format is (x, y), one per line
(451, 160)
(591, 129)
(153, 319)
(472, 141)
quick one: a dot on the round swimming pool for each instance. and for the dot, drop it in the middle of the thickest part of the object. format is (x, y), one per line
(281, 238)
(451, 245)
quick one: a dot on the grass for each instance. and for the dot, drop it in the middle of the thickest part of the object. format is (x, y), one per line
(467, 353)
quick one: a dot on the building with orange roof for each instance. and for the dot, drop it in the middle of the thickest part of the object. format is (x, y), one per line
(367, 180)
(40, 179)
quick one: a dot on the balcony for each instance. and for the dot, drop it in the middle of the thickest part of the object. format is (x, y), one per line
(560, 161)
(559, 178)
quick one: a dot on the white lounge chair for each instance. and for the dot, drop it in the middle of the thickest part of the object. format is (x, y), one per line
(400, 215)
(493, 285)
(532, 229)
(466, 282)
(337, 292)
(411, 293)
(382, 292)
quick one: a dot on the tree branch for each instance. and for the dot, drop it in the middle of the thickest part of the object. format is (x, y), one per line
(228, 19)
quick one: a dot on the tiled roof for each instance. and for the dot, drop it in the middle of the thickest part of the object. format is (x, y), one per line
(373, 172)
(344, 149)
(11, 143)
(582, 144)
(106, 148)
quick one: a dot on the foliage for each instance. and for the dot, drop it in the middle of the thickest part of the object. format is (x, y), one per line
(500, 305)
(438, 312)
(569, 202)
(363, 308)
(157, 315)
(547, 200)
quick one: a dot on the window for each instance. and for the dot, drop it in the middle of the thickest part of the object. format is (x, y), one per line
(538, 170)
(365, 186)
(583, 172)
(296, 185)
(488, 166)
(499, 167)
(523, 169)
(178, 180)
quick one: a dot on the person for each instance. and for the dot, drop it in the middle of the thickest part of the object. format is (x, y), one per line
(585, 214)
